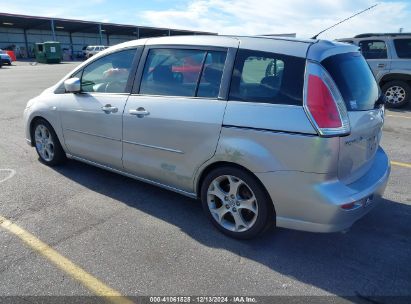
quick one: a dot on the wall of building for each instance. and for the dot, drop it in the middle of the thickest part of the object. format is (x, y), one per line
(15, 36)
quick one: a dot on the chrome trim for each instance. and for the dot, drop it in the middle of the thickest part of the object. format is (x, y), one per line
(185, 193)
(154, 147)
(176, 96)
(92, 134)
(315, 68)
(270, 130)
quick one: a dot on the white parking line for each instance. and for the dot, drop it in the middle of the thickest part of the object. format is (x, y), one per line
(11, 173)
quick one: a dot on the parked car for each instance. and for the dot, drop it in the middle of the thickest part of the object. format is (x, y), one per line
(5, 58)
(270, 131)
(389, 56)
(92, 50)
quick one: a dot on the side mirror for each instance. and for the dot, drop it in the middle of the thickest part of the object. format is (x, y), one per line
(72, 85)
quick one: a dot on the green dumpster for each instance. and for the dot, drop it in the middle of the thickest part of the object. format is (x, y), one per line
(48, 52)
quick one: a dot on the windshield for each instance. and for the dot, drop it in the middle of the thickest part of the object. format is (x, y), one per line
(403, 47)
(354, 79)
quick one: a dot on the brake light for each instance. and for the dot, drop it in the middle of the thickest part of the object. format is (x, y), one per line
(323, 103)
(348, 206)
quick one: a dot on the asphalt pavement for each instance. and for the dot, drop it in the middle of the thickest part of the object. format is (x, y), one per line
(144, 241)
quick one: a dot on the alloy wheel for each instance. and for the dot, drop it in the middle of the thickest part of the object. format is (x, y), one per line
(232, 203)
(44, 142)
(395, 94)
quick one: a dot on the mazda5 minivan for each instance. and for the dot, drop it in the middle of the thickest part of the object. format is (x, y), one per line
(263, 130)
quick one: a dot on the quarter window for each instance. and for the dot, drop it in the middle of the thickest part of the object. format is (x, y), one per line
(267, 77)
(403, 47)
(176, 72)
(108, 74)
(373, 49)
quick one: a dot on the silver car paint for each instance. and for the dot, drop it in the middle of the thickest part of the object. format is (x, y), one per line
(357, 150)
(270, 117)
(268, 151)
(89, 132)
(183, 134)
(310, 201)
(299, 169)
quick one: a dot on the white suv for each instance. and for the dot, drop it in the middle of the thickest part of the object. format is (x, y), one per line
(93, 50)
(389, 56)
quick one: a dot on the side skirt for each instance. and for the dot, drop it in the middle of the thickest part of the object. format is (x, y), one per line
(185, 193)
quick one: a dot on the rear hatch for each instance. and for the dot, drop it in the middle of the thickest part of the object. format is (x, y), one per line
(360, 92)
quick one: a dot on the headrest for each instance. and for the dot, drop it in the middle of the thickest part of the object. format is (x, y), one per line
(213, 73)
(163, 73)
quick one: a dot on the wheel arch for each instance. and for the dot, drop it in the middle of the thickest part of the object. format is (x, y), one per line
(210, 167)
(31, 128)
(395, 76)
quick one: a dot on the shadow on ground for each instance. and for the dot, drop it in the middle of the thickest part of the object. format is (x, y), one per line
(404, 109)
(371, 260)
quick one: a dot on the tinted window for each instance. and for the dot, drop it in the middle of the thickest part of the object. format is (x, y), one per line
(212, 73)
(108, 74)
(354, 79)
(373, 49)
(403, 47)
(267, 77)
(176, 72)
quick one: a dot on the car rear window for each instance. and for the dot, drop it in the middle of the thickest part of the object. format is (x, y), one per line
(354, 79)
(403, 47)
(267, 78)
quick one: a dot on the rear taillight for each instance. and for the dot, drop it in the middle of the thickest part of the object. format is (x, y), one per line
(323, 102)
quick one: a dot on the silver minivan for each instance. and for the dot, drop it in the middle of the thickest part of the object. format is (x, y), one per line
(263, 130)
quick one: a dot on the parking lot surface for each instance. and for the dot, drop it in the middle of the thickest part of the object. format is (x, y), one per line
(140, 240)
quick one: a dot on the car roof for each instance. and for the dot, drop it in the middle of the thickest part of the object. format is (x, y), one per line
(313, 49)
(382, 34)
(290, 46)
(377, 35)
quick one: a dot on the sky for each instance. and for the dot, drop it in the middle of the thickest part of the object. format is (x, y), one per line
(237, 17)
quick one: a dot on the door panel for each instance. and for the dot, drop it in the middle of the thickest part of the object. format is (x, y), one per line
(171, 130)
(91, 132)
(92, 120)
(173, 140)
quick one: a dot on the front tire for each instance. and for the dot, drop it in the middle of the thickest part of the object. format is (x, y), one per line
(397, 93)
(47, 144)
(236, 202)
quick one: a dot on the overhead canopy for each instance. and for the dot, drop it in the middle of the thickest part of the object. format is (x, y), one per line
(73, 26)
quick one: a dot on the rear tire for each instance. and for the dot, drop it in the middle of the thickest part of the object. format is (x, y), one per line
(236, 203)
(47, 144)
(397, 93)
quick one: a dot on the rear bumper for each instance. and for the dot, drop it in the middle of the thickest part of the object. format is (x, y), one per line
(312, 202)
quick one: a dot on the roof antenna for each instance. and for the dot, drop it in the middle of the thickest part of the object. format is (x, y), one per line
(315, 37)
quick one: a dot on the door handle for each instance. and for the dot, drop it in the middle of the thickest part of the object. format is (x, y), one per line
(109, 109)
(140, 112)
(381, 65)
